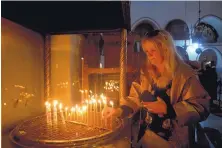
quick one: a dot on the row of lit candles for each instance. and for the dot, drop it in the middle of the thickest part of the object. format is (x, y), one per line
(90, 113)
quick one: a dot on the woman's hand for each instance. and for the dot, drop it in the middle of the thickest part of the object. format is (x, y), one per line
(158, 107)
(109, 111)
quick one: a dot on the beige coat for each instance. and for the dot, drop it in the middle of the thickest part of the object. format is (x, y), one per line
(190, 102)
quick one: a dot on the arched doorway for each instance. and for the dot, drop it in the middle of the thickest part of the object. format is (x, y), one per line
(212, 54)
(145, 20)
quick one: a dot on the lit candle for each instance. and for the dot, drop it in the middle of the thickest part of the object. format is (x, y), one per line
(60, 107)
(104, 104)
(87, 112)
(55, 102)
(84, 113)
(85, 95)
(100, 112)
(77, 109)
(94, 106)
(90, 112)
(72, 114)
(66, 109)
(82, 95)
(46, 105)
(100, 65)
(111, 123)
(55, 119)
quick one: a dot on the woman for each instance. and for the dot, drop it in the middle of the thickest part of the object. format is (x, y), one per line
(188, 99)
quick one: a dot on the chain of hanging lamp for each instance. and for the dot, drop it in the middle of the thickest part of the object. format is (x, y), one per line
(47, 67)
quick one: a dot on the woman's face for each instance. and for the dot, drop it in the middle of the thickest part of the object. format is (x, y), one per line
(152, 53)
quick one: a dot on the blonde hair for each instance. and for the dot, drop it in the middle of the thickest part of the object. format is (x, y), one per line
(165, 44)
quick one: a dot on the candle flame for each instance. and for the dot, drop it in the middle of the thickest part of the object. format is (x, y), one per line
(60, 106)
(93, 101)
(111, 103)
(55, 102)
(77, 106)
(72, 109)
(104, 102)
(84, 108)
(46, 103)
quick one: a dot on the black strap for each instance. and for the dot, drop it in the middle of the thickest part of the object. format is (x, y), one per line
(162, 94)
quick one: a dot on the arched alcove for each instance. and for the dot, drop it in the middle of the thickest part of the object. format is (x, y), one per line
(212, 54)
(178, 29)
(145, 20)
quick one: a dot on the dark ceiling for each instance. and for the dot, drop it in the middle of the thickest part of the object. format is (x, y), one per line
(61, 17)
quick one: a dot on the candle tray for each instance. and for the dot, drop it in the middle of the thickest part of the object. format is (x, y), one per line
(36, 132)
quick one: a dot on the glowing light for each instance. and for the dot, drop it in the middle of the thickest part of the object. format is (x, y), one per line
(60, 106)
(93, 101)
(46, 103)
(4, 103)
(55, 102)
(84, 108)
(72, 109)
(104, 102)
(111, 103)
(66, 108)
(100, 65)
(112, 85)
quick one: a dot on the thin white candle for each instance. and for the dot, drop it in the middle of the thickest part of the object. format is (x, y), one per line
(82, 95)
(60, 107)
(84, 109)
(77, 113)
(73, 114)
(111, 122)
(46, 105)
(100, 112)
(66, 109)
(94, 106)
(105, 104)
(87, 112)
(90, 113)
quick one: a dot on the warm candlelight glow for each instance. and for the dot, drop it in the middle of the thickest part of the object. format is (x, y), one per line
(111, 103)
(104, 102)
(72, 109)
(55, 102)
(60, 106)
(46, 103)
(84, 108)
(89, 112)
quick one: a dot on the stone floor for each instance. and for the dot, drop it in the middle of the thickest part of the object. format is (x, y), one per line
(209, 137)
